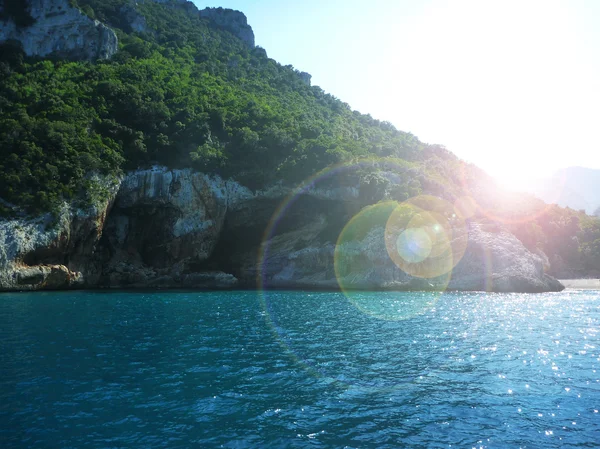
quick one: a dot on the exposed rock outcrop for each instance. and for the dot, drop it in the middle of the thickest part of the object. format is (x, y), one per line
(184, 229)
(497, 261)
(300, 258)
(46, 277)
(132, 17)
(54, 252)
(233, 21)
(60, 30)
(164, 226)
(170, 228)
(305, 77)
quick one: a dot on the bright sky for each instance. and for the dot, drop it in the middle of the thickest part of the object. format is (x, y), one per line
(510, 85)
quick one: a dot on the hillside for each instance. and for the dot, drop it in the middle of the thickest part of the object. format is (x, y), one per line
(172, 142)
(182, 92)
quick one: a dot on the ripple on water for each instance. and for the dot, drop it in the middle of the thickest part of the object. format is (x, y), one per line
(295, 369)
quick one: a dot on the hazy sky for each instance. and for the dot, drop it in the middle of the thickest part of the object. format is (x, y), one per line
(513, 86)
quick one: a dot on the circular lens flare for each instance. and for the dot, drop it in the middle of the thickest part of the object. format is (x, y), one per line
(414, 245)
(466, 206)
(362, 262)
(358, 260)
(426, 237)
(429, 230)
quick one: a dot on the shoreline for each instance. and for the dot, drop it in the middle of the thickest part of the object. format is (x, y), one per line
(303, 288)
(581, 284)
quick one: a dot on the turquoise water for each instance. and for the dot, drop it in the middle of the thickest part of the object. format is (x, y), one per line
(296, 369)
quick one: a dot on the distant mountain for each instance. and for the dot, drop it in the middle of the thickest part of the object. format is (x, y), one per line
(574, 187)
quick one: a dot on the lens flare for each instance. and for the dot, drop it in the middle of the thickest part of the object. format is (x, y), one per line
(390, 246)
(466, 205)
(359, 247)
(426, 237)
(414, 245)
(327, 185)
(361, 261)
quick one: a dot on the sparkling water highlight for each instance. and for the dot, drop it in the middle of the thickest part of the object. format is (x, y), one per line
(299, 369)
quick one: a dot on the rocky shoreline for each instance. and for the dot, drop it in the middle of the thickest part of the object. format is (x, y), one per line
(167, 228)
(173, 229)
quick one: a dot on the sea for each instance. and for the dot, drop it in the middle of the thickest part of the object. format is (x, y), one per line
(299, 369)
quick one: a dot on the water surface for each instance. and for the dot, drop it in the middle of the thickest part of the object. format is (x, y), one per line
(299, 369)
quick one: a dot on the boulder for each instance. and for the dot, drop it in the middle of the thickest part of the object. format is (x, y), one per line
(44, 277)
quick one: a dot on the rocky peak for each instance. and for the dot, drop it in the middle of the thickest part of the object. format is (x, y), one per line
(233, 21)
(305, 77)
(56, 28)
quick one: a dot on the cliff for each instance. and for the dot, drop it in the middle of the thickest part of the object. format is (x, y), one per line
(188, 90)
(232, 21)
(166, 223)
(185, 229)
(56, 28)
(54, 251)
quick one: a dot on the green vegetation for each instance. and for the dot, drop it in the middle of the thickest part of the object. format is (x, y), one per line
(188, 95)
(184, 93)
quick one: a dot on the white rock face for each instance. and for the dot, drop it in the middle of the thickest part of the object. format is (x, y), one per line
(52, 252)
(233, 21)
(180, 228)
(163, 224)
(195, 204)
(493, 261)
(136, 21)
(497, 261)
(21, 237)
(63, 31)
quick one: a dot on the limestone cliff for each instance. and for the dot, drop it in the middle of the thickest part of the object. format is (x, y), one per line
(185, 229)
(228, 19)
(60, 30)
(54, 251)
(233, 21)
(302, 256)
(164, 225)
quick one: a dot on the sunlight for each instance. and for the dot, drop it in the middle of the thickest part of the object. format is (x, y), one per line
(315, 235)
(517, 104)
